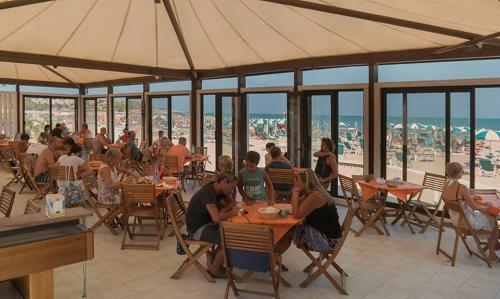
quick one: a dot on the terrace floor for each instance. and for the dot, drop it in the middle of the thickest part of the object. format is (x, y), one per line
(399, 266)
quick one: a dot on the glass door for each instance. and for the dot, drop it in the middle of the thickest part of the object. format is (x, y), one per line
(218, 131)
(127, 113)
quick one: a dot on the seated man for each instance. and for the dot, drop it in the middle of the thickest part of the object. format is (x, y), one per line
(46, 158)
(101, 140)
(157, 142)
(278, 162)
(22, 145)
(182, 152)
(132, 149)
(85, 132)
(203, 215)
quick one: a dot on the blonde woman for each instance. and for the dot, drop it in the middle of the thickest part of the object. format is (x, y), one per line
(475, 213)
(310, 201)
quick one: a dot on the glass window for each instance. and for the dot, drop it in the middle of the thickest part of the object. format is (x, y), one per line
(134, 117)
(339, 75)
(45, 89)
(394, 135)
(102, 113)
(159, 116)
(270, 80)
(64, 110)
(128, 88)
(351, 135)
(460, 143)
(7, 87)
(181, 123)
(170, 86)
(36, 116)
(220, 83)
(447, 70)
(209, 129)
(267, 121)
(119, 116)
(487, 144)
(96, 90)
(90, 114)
(321, 123)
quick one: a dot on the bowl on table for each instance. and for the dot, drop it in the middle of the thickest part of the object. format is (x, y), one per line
(269, 212)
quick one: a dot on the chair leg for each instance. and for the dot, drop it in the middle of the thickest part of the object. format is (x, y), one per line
(440, 233)
(455, 246)
(322, 269)
(192, 259)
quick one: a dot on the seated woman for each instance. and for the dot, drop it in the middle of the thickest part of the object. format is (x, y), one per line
(133, 150)
(475, 213)
(326, 167)
(164, 146)
(45, 137)
(72, 159)
(101, 140)
(108, 184)
(161, 166)
(321, 229)
(125, 137)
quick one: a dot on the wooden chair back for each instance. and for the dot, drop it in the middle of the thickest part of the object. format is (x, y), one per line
(281, 176)
(7, 201)
(61, 173)
(248, 237)
(349, 189)
(434, 182)
(32, 207)
(138, 193)
(177, 214)
(172, 163)
(89, 182)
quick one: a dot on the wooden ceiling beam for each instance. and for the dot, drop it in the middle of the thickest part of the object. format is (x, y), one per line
(19, 3)
(43, 59)
(180, 36)
(53, 71)
(469, 43)
(35, 82)
(376, 18)
(402, 56)
(135, 80)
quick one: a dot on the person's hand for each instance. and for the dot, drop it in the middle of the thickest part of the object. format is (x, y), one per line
(297, 190)
(487, 204)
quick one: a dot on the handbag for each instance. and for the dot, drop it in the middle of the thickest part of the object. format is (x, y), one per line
(72, 191)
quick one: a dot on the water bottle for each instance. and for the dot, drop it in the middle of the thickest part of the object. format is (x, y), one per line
(156, 176)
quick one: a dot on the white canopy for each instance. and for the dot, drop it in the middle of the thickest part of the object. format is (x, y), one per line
(219, 34)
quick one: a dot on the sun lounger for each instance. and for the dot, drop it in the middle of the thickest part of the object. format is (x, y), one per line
(487, 168)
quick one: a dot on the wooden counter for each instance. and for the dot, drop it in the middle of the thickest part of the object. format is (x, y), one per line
(31, 246)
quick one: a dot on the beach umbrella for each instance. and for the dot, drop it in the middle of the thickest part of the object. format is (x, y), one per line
(398, 126)
(343, 124)
(414, 126)
(488, 135)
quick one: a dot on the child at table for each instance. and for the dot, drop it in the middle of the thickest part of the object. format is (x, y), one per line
(253, 182)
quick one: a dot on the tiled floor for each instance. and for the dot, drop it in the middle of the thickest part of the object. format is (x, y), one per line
(399, 266)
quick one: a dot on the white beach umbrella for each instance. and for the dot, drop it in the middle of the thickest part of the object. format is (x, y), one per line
(488, 135)
(414, 126)
(398, 126)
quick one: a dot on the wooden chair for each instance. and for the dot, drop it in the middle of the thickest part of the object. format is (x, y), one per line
(8, 157)
(462, 230)
(89, 181)
(322, 268)
(432, 182)
(196, 171)
(32, 207)
(41, 188)
(132, 164)
(171, 162)
(367, 212)
(177, 216)
(282, 176)
(256, 241)
(6, 201)
(60, 173)
(25, 165)
(139, 201)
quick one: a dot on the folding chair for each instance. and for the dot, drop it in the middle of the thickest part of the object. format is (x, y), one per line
(282, 176)
(139, 201)
(89, 181)
(197, 169)
(432, 182)
(367, 212)
(6, 201)
(25, 162)
(462, 230)
(177, 216)
(171, 162)
(322, 268)
(41, 188)
(60, 173)
(8, 158)
(32, 207)
(250, 247)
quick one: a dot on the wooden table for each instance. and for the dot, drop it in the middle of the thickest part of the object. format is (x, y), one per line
(403, 192)
(117, 146)
(31, 246)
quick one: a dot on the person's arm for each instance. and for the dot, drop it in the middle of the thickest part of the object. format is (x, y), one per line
(49, 156)
(330, 161)
(470, 201)
(83, 168)
(302, 209)
(244, 196)
(188, 153)
(269, 187)
(320, 154)
(218, 216)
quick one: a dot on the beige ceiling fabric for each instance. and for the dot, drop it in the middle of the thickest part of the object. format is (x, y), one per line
(221, 33)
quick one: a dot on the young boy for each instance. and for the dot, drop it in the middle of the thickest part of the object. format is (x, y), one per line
(253, 182)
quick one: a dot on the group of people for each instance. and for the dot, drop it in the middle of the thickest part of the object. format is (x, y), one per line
(61, 131)
(216, 202)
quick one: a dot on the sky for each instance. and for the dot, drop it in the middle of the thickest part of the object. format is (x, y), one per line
(487, 99)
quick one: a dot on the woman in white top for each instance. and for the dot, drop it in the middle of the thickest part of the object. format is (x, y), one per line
(475, 213)
(108, 184)
(72, 159)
